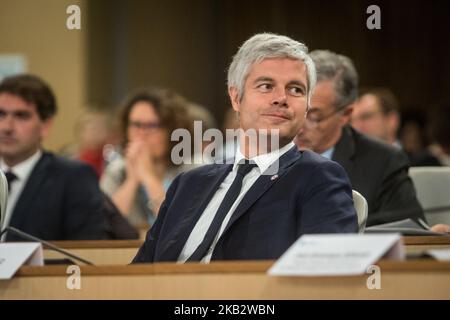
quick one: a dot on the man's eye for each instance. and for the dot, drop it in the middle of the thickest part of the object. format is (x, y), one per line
(2, 114)
(314, 116)
(296, 91)
(22, 115)
(265, 87)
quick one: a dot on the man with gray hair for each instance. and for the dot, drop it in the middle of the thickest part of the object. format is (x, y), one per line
(378, 171)
(239, 211)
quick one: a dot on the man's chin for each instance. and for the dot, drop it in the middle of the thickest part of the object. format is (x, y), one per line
(7, 151)
(305, 148)
(302, 143)
(13, 153)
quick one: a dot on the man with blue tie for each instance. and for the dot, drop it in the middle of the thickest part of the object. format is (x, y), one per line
(258, 205)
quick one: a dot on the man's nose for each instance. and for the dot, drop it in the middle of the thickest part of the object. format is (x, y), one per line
(279, 97)
(7, 124)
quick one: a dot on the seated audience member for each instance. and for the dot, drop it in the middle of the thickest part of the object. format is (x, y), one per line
(137, 181)
(377, 170)
(93, 131)
(439, 153)
(413, 135)
(49, 197)
(440, 133)
(198, 112)
(202, 118)
(261, 203)
(376, 114)
(230, 122)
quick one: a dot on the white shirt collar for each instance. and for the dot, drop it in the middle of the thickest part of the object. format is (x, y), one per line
(23, 169)
(263, 161)
(328, 153)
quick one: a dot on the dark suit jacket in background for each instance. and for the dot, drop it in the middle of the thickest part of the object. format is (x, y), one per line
(310, 195)
(380, 173)
(60, 201)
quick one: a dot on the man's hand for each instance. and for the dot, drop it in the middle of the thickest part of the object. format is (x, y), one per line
(441, 228)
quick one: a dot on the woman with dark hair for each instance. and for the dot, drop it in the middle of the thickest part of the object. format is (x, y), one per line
(137, 181)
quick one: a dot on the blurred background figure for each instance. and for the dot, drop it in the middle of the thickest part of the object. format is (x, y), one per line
(138, 180)
(230, 122)
(200, 114)
(414, 138)
(96, 135)
(440, 133)
(377, 114)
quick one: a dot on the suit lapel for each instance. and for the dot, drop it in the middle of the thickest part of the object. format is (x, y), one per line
(25, 201)
(207, 186)
(262, 184)
(345, 150)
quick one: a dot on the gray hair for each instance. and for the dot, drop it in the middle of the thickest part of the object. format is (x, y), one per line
(263, 46)
(339, 69)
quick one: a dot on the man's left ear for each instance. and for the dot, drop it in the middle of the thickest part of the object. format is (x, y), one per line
(46, 127)
(394, 121)
(234, 98)
(347, 115)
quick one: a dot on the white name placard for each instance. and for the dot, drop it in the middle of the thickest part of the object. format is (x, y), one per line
(14, 255)
(337, 254)
(440, 254)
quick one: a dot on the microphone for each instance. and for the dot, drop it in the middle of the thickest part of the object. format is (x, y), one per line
(3, 202)
(47, 244)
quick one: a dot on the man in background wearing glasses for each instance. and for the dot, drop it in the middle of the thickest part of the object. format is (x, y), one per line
(378, 171)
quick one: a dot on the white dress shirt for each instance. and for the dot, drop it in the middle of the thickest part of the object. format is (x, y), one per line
(198, 233)
(22, 171)
(328, 153)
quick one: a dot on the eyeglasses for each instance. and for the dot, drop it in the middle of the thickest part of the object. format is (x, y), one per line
(314, 121)
(147, 126)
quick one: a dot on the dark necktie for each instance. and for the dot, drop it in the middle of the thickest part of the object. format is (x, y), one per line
(10, 177)
(224, 208)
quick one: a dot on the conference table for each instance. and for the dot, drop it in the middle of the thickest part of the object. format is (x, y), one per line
(112, 278)
(427, 279)
(121, 252)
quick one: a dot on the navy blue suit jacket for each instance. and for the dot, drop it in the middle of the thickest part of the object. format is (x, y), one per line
(310, 195)
(60, 201)
(380, 173)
